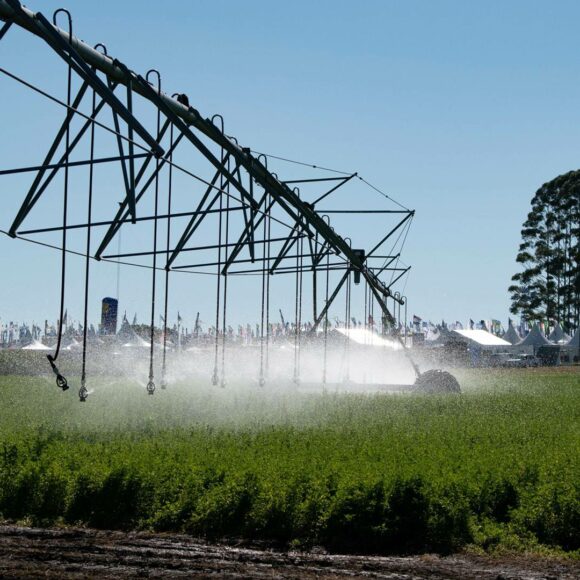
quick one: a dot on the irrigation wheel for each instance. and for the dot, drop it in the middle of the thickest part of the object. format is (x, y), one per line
(436, 381)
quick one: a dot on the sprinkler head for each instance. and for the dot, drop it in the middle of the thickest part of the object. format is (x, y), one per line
(150, 387)
(61, 382)
(163, 384)
(223, 384)
(83, 394)
(262, 381)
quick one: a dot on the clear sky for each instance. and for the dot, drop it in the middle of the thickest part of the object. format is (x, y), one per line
(460, 110)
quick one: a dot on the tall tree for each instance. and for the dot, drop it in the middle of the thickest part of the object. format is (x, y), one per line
(547, 287)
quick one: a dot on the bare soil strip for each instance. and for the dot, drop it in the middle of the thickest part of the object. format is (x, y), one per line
(80, 553)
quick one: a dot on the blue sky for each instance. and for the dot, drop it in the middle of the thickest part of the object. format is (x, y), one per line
(460, 110)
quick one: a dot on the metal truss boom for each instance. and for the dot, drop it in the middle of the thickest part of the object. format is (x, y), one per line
(84, 59)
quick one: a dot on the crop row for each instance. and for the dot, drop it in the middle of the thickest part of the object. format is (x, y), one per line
(497, 467)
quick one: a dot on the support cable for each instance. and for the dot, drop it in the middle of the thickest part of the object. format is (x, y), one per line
(398, 258)
(269, 155)
(391, 253)
(338, 172)
(109, 261)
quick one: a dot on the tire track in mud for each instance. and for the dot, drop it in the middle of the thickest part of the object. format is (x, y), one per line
(79, 553)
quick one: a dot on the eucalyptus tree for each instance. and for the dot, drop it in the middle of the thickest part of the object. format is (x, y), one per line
(547, 285)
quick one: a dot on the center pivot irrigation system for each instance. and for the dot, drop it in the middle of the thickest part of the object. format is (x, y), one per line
(202, 188)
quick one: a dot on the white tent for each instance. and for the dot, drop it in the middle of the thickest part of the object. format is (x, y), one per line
(570, 351)
(36, 345)
(73, 345)
(137, 342)
(575, 340)
(369, 338)
(558, 336)
(482, 337)
(512, 335)
(534, 340)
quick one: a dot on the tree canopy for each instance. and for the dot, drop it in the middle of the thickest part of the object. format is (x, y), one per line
(547, 286)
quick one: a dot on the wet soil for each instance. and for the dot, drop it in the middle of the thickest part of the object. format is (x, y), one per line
(80, 553)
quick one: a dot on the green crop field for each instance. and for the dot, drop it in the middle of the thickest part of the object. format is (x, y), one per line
(496, 468)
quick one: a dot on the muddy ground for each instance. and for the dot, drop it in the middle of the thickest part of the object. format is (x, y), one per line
(79, 553)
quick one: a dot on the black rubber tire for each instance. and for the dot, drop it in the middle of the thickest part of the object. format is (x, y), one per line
(437, 381)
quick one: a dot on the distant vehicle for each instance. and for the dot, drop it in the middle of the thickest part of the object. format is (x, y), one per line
(509, 360)
(525, 360)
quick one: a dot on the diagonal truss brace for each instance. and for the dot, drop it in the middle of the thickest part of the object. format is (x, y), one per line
(123, 212)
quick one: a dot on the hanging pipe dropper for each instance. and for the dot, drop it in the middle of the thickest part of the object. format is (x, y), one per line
(151, 382)
(83, 391)
(61, 381)
(215, 375)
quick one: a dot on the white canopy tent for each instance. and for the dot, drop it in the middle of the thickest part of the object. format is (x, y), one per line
(570, 351)
(533, 341)
(483, 338)
(36, 345)
(575, 340)
(512, 335)
(558, 336)
(369, 338)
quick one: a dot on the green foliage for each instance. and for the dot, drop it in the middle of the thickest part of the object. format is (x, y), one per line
(548, 286)
(497, 467)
